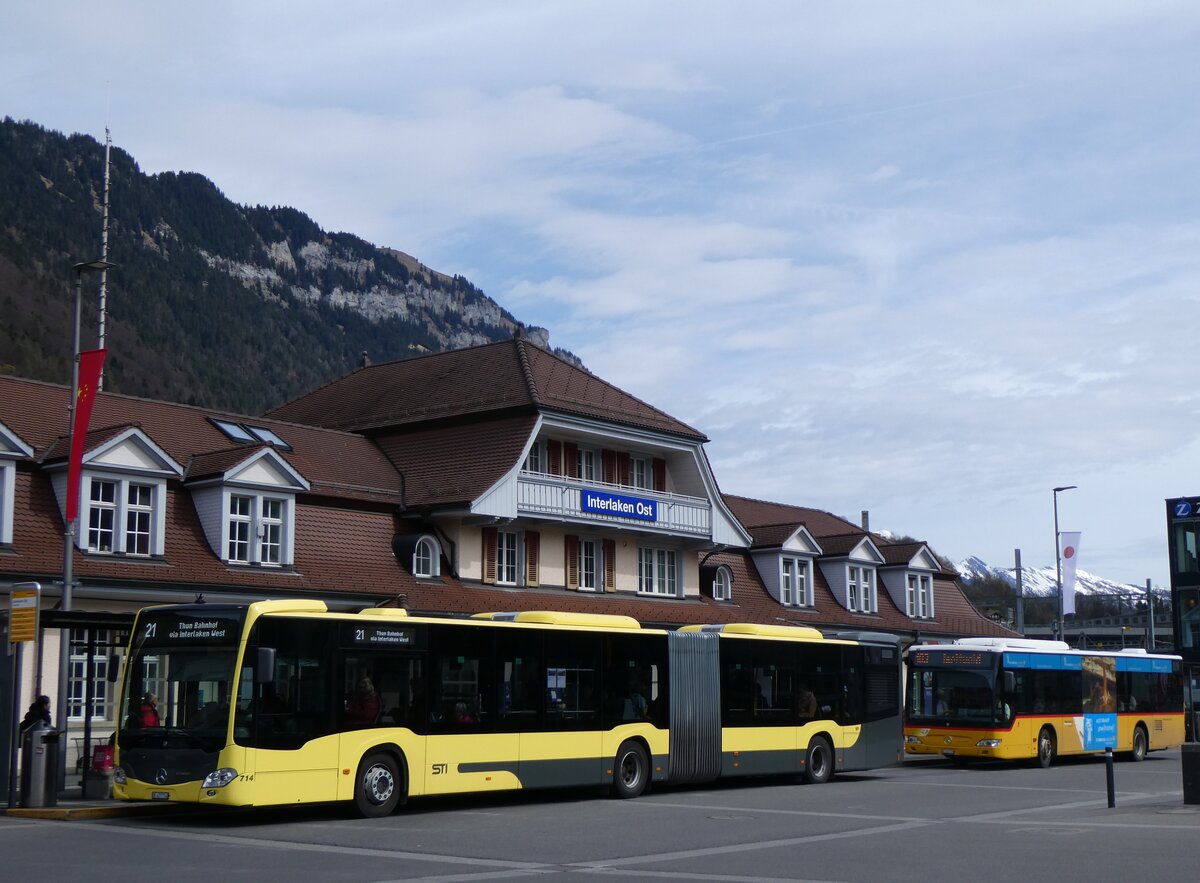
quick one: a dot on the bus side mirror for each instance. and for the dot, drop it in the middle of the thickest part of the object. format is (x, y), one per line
(264, 667)
(114, 668)
(1010, 682)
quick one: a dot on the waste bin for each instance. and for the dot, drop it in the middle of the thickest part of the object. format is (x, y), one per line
(39, 766)
(1191, 772)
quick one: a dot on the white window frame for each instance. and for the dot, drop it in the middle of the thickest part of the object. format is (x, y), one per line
(8, 478)
(427, 558)
(103, 692)
(102, 515)
(508, 564)
(787, 581)
(120, 510)
(910, 594)
(588, 464)
(658, 572)
(266, 537)
(723, 584)
(641, 473)
(591, 565)
(270, 532)
(925, 596)
(536, 461)
(860, 589)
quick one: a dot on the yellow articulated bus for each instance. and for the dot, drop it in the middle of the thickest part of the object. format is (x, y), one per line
(284, 702)
(1017, 699)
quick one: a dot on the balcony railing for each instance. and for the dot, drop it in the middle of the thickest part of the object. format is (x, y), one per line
(561, 497)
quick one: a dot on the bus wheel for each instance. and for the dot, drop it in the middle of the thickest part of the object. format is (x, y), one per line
(1046, 748)
(818, 761)
(1140, 744)
(631, 772)
(377, 789)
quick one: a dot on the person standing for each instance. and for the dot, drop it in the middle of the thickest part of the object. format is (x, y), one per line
(39, 712)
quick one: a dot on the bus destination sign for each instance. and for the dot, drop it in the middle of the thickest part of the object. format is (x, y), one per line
(953, 658)
(383, 636)
(166, 628)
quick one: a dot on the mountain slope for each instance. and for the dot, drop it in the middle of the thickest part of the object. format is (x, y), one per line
(1043, 580)
(211, 302)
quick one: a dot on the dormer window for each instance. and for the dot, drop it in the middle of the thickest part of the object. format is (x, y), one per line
(426, 558)
(247, 505)
(120, 516)
(122, 494)
(920, 595)
(722, 589)
(12, 448)
(795, 587)
(860, 586)
(255, 529)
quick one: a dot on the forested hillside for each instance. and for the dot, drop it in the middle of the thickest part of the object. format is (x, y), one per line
(211, 302)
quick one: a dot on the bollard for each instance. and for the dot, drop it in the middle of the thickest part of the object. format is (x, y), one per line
(1108, 763)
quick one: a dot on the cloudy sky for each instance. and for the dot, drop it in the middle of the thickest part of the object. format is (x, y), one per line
(928, 260)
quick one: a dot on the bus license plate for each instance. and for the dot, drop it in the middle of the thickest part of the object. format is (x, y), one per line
(160, 795)
(948, 752)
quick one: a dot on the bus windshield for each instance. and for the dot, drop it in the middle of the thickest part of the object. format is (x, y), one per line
(179, 680)
(966, 695)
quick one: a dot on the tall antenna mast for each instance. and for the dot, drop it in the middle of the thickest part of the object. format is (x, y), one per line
(104, 248)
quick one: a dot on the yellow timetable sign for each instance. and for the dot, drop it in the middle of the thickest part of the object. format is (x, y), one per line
(23, 615)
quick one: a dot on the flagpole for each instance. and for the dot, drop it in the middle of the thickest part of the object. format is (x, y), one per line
(64, 634)
(1062, 624)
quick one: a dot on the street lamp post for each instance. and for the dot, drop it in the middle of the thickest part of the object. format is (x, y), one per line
(1062, 633)
(64, 634)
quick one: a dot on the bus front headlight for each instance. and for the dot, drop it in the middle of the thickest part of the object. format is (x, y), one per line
(219, 778)
(913, 740)
(988, 743)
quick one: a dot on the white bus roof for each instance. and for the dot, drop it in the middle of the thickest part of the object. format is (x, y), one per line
(1034, 645)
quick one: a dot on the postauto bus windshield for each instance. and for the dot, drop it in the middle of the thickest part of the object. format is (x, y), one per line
(953, 686)
(177, 690)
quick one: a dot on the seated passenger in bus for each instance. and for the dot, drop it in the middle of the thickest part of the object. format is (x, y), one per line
(808, 704)
(362, 706)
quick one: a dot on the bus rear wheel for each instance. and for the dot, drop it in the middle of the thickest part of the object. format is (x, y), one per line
(1141, 744)
(631, 771)
(818, 761)
(1047, 748)
(377, 787)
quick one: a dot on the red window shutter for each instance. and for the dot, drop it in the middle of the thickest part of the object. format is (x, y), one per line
(533, 544)
(554, 449)
(610, 565)
(624, 465)
(572, 562)
(489, 555)
(570, 460)
(660, 474)
(608, 466)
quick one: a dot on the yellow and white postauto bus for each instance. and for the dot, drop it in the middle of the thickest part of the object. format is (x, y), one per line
(1018, 699)
(284, 702)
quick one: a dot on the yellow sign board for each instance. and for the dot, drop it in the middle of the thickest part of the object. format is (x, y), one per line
(23, 607)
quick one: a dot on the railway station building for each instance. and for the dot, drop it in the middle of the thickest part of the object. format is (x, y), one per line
(494, 478)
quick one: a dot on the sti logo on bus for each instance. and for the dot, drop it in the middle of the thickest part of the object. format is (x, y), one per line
(603, 503)
(440, 769)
